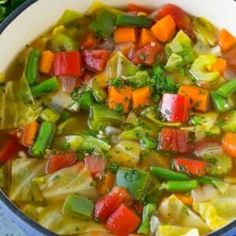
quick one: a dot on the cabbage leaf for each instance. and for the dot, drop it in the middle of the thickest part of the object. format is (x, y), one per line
(23, 171)
(75, 179)
(17, 106)
(171, 230)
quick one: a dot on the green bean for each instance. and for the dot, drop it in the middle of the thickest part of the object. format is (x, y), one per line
(49, 115)
(220, 103)
(43, 139)
(31, 70)
(180, 186)
(138, 21)
(227, 88)
(85, 100)
(168, 174)
(49, 85)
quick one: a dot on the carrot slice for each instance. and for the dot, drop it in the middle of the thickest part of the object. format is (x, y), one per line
(119, 97)
(141, 97)
(90, 42)
(164, 29)
(124, 34)
(46, 62)
(199, 98)
(146, 37)
(219, 66)
(29, 134)
(229, 144)
(106, 184)
(186, 199)
(226, 40)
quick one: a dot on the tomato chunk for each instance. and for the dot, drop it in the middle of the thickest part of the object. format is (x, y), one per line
(147, 55)
(110, 202)
(175, 108)
(182, 19)
(96, 60)
(174, 140)
(190, 166)
(9, 149)
(60, 160)
(95, 164)
(230, 57)
(68, 63)
(138, 8)
(123, 221)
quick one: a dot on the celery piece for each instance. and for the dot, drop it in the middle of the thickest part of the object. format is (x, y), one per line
(229, 122)
(49, 115)
(61, 42)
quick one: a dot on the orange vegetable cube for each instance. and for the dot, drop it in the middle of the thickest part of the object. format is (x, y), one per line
(219, 66)
(141, 97)
(146, 37)
(46, 62)
(124, 34)
(164, 29)
(226, 40)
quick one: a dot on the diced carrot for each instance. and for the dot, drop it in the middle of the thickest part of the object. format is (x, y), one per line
(119, 97)
(138, 8)
(124, 34)
(106, 184)
(146, 37)
(164, 29)
(199, 98)
(226, 40)
(29, 134)
(229, 144)
(46, 62)
(186, 199)
(219, 66)
(90, 42)
(141, 97)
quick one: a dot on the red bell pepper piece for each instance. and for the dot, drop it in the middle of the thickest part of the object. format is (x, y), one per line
(60, 160)
(182, 19)
(175, 108)
(190, 166)
(9, 149)
(174, 140)
(123, 221)
(230, 57)
(147, 54)
(68, 63)
(96, 60)
(106, 205)
(95, 164)
(138, 8)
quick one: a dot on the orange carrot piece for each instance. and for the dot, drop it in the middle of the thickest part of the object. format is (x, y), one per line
(226, 40)
(29, 134)
(89, 42)
(219, 66)
(46, 62)
(139, 8)
(164, 29)
(199, 97)
(141, 97)
(106, 184)
(229, 144)
(124, 34)
(146, 37)
(119, 96)
(186, 199)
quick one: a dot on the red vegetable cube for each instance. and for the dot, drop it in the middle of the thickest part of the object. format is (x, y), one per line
(175, 108)
(68, 63)
(174, 140)
(123, 221)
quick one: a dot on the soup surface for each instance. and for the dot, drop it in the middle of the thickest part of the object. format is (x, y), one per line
(122, 122)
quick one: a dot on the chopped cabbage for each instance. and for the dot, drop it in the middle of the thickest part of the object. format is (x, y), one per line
(171, 230)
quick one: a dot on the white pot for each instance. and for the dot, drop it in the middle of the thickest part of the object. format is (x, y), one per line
(42, 14)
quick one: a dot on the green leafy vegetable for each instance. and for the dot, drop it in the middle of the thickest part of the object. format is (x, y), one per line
(68, 16)
(140, 79)
(228, 123)
(172, 230)
(23, 171)
(57, 186)
(62, 42)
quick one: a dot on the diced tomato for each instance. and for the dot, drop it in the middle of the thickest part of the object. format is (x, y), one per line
(182, 19)
(96, 60)
(60, 160)
(68, 63)
(230, 57)
(190, 166)
(175, 108)
(138, 207)
(123, 221)
(110, 202)
(9, 149)
(138, 8)
(174, 140)
(96, 165)
(147, 55)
